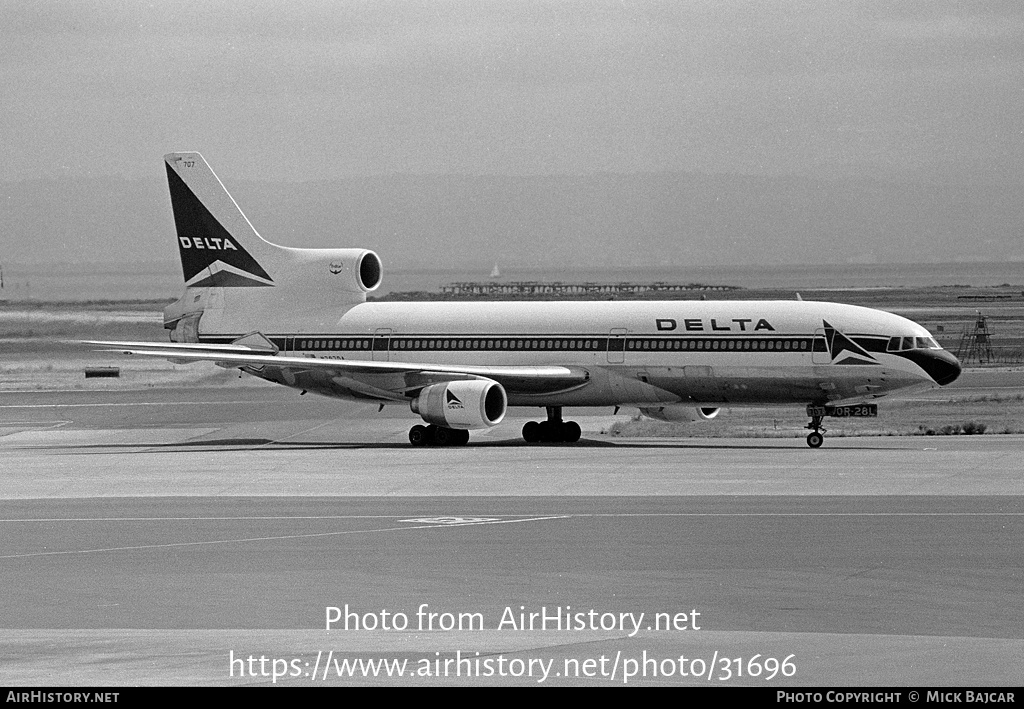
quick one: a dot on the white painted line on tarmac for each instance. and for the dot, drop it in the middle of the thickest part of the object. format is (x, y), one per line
(37, 424)
(449, 521)
(283, 537)
(191, 519)
(135, 403)
(133, 390)
(292, 435)
(800, 514)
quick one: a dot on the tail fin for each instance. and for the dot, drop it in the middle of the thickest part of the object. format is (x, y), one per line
(212, 231)
(236, 281)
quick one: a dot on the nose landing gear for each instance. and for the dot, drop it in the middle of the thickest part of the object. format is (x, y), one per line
(817, 435)
(554, 430)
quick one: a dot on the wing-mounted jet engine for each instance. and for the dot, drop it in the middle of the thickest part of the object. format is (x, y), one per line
(454, 408)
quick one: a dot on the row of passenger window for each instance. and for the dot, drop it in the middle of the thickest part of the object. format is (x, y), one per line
(592, 345)
(346, 344)
(719, 344)
(455, 344)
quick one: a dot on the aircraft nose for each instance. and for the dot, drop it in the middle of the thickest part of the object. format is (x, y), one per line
(941, 366)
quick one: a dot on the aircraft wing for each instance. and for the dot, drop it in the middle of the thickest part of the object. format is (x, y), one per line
(395, 381)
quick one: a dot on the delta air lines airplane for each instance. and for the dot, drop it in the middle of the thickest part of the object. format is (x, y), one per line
(299, 317)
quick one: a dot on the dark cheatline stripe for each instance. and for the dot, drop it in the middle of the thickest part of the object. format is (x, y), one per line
(575, 343)
(872, 344)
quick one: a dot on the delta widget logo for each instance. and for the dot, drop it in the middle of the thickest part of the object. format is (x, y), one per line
(452, 402)
(843, 350)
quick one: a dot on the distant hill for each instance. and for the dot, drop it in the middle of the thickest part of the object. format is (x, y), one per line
(593, 221)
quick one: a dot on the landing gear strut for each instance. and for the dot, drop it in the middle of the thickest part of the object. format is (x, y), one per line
(437, 436)
(817, 435)
(554, 430)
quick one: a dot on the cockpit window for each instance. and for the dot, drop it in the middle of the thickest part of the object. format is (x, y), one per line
(901, 344)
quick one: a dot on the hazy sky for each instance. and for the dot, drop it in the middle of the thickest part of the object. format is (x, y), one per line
(307, 90)
(911, 90)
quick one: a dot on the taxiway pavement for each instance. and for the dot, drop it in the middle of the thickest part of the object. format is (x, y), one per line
(156, 536)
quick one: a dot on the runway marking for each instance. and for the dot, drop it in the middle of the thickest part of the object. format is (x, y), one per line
(278, 441)
(135, 390)
(135, 403)
(450, 520)
(36, 425)
(456, 521)
(191, 519)
(800, 514)
(211, 542)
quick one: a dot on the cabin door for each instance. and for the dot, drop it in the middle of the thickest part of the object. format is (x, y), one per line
(381, 344)
(617, 345)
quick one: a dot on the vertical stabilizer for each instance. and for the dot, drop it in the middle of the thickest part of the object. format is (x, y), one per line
(217, 244)
(236, 282)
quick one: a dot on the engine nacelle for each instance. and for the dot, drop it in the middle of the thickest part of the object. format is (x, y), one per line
(307, 283)
(464, 404)
(678, 412)
(352, 270)
(366, 270)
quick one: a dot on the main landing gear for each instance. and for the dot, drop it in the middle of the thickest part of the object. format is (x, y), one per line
(554, 430)
(817, 435)
(437, 436)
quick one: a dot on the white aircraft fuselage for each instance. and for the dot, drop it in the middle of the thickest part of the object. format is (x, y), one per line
(637, 353)
(299, 317)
